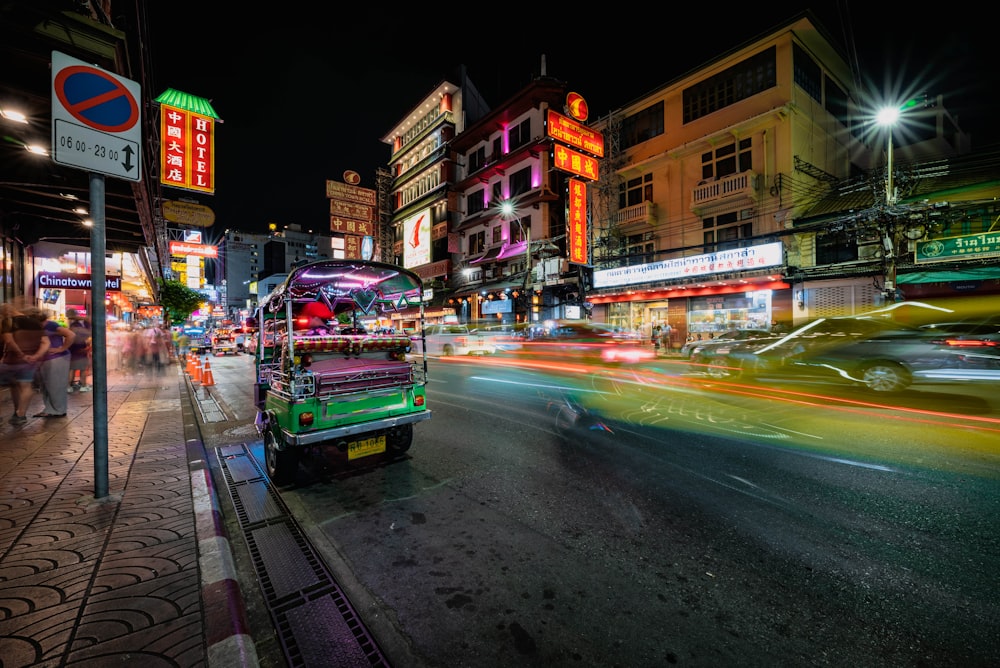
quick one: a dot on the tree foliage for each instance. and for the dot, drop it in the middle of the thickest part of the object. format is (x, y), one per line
(178, 301)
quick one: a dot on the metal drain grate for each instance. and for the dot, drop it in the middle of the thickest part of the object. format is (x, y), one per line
(315, 623)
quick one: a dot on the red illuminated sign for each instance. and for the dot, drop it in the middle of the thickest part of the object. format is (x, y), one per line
(200, 250)
(577, 107)
(573, 162)
(577, 221)
(570, 132)
(187, 149)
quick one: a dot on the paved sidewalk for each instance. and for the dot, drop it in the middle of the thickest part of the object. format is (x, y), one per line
(143, 575)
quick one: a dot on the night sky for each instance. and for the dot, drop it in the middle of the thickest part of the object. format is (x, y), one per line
(308, 94)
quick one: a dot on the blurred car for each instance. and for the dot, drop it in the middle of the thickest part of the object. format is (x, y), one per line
(872, 352)
(580, 341)
(453, 339)
(692, 350)
(980, 327)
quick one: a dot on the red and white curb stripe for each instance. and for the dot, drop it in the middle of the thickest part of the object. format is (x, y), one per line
(228, 638)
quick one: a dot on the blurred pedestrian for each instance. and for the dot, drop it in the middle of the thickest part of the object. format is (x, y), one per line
(80, 352)
(25, 345)
(655, 338)
(157, 352)
(53, 371)
(666, 337)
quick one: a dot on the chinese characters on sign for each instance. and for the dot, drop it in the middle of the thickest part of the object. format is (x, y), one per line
(187, 152)
(573, 162)
(577, 221)
(352, 214)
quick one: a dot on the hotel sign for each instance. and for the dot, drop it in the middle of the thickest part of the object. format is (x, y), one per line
(187, 149)
(570, 132)
(49, 279)
(574, 162)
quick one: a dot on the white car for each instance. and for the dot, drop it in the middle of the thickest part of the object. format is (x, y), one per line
(454, 339)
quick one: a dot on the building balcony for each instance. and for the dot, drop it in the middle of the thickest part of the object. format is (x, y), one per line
(643, 212)
(725, 191)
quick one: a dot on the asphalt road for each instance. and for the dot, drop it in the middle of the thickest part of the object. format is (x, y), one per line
(715, 525)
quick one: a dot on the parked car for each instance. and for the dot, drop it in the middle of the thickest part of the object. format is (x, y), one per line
(224, 342)
(872, 352)
(693, 349)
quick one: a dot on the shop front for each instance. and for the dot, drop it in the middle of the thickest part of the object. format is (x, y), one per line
(61, 279)
(698, 297)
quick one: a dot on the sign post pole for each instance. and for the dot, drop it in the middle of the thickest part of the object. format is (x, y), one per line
(98, 318)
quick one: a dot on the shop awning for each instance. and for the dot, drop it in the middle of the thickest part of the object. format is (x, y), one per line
(946, 276)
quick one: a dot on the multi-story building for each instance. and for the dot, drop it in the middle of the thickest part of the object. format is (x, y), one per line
(417, 189)
(696, 220)
(704, 173)
(245, 259)
(508, 240)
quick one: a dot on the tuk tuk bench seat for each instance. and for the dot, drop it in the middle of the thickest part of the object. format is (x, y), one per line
(350, 344)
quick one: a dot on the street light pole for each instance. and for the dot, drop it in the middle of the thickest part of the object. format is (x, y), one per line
(888, 116)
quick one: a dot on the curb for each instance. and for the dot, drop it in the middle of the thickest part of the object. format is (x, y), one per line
(227, 637)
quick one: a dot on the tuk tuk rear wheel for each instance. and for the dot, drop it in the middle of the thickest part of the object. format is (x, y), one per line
(398, 439)
(281, 464)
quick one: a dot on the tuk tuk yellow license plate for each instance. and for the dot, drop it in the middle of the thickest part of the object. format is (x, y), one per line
(365, 447)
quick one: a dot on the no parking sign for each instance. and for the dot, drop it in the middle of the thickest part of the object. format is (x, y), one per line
(95, 119)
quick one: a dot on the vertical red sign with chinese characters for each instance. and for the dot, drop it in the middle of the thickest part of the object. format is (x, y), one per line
(577, 221)
(187, 149)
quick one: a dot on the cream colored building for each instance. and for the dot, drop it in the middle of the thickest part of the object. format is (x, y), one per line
(703, 177)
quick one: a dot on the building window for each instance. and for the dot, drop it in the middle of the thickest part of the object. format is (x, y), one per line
(475, 202)
(727, 230)
(477, 159)
(477, 243)
(807, 73)
(642, 126)
(836, 102)
(517, 229)
(749, 77)
(835, 248)
(497, 150)
(497, 192)
(520, 182)
(725, 160)
(519, 135)
(497, 234)
(635, 191)
(639, 248)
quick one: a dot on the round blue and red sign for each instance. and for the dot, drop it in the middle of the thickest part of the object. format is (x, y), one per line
(96, 98)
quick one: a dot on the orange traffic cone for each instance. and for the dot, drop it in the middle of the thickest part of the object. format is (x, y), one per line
(207, 380)
(196, 376)
(189, 369)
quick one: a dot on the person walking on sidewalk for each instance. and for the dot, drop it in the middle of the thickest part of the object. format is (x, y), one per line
(53, 372)
(79, 351)
(24, 346)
